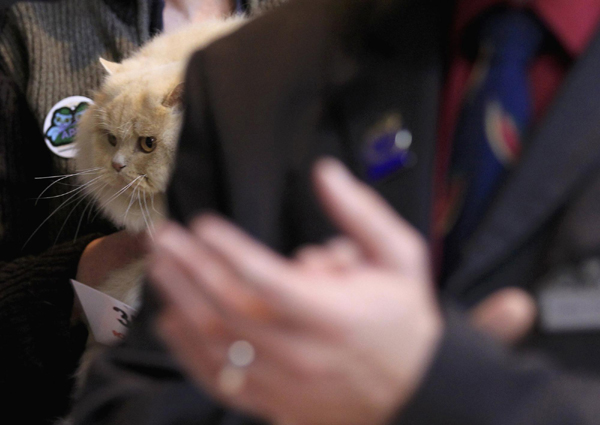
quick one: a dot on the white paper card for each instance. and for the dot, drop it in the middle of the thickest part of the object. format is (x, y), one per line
(108, 318)
(569, 298)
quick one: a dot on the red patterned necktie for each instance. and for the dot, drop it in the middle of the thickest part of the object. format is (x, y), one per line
(496, 113)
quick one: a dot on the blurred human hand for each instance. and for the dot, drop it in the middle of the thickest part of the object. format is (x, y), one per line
(343, 332)
(508, 315)
(109, 253)
(343, 342)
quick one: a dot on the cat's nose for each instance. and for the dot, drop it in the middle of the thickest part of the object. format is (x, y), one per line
(118, 166)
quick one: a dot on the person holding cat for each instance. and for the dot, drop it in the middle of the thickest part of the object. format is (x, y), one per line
(48, 68)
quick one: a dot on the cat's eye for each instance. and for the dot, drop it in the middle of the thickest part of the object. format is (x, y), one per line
(147, 144)
(112, 140)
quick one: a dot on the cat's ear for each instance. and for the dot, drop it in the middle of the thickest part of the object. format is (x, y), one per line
(175, 97)
(110, 67)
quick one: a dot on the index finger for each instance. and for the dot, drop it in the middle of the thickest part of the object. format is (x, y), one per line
(363, 215)
(259, 268)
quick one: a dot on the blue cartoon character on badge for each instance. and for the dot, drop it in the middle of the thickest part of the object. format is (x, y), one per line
(59, 132)
(60, 126)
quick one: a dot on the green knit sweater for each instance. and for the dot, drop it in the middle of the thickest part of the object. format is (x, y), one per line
(48, 51)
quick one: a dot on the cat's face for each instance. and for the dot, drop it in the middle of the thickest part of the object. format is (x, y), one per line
(127, 143)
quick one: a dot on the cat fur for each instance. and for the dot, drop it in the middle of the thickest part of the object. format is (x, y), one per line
(140, 97)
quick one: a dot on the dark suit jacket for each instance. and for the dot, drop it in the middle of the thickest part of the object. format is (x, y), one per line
(315, 78)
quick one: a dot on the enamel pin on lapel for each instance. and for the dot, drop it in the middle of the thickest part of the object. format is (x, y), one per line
(387, 147)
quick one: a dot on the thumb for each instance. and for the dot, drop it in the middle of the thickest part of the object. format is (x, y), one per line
(508, 314)
(362, 214)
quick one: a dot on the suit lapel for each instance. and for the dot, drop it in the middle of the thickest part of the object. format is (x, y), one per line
(561, 151)
(403, 79)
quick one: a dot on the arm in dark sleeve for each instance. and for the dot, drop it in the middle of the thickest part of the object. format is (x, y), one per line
(472, 381)
(475, 381)
(40, 348)
(137, 381)
(23, 157)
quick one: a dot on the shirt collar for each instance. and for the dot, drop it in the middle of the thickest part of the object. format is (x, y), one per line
(572, 22)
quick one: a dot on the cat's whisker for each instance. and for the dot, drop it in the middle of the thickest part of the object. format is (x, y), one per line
(144, 216)
(130, 204)
(131, 200)
(119, 192)
(87, 171)
(91, 171)
(154, 209)
(90, 207)
(67, 184)
(148, 211)
(67, 218)
(72, 198)
(78, 189)
(116, 195)
(95, 199)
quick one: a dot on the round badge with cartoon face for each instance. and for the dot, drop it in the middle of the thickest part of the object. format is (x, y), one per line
(60, 125)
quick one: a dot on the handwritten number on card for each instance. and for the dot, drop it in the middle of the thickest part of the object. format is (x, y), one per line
(124, 320)
(118, 334)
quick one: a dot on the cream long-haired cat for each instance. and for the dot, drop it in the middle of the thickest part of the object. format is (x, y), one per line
(127, 141)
